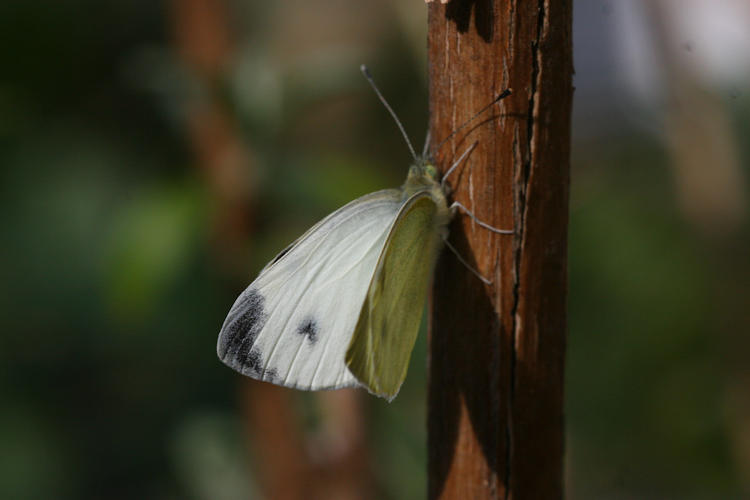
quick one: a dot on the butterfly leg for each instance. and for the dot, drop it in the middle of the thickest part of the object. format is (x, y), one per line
(466, 264)
(457, 163)
(456, 205)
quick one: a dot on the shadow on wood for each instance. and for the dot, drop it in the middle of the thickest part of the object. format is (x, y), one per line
(459, 396)
(497, 351)
(459, 11)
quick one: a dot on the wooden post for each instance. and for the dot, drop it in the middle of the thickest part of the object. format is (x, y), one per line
(496, 352)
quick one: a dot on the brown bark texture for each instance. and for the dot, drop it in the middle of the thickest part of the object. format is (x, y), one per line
(495, 415)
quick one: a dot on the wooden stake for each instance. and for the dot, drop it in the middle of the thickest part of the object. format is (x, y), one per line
(496, 352)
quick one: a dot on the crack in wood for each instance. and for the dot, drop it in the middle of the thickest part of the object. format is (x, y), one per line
(520, 218)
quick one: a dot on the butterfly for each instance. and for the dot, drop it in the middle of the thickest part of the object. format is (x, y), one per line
(342, 305)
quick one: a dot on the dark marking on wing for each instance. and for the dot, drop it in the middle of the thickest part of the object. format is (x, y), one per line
(271, 375)
(280, 255)
(244, 322)
(252, 365)
(309, 328)
(251, 360)
(237, 337)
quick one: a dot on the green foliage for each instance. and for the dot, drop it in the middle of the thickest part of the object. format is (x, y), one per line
(150, 245)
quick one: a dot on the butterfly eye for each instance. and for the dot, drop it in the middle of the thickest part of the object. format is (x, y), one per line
(431, 171)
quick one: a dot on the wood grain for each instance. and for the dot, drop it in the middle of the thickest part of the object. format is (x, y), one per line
(496, 352)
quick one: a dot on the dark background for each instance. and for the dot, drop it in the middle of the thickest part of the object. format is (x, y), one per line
(150, 168)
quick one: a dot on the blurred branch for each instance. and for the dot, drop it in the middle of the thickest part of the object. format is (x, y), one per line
(203, 42)
(496, 367)
(337, 466)
(712, 195)
(705, 157)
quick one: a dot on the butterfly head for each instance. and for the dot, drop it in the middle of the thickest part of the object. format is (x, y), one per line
(424, 177)
(423, 174)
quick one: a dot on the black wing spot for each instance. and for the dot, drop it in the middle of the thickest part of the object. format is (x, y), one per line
(309, 328)
(252, 365)
(242, 326)
(253, 361)
(271, 375)
(237, 337)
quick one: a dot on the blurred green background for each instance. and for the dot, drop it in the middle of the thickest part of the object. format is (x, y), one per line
(156, 154)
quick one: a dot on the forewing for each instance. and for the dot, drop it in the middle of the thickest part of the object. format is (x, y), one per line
(378, 354)
(292, 325)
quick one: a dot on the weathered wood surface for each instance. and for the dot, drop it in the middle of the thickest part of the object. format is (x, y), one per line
(496, 352)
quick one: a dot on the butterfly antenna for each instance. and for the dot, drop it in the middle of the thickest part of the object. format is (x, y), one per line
(367, 74)
(505, 93)
(426, 144)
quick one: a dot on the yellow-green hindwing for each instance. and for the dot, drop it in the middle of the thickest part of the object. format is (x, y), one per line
(379, 351)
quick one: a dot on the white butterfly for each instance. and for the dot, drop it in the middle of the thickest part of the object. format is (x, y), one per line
(341, 306)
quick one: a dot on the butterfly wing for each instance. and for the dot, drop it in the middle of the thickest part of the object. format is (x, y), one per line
(379, 351)
(292, 325)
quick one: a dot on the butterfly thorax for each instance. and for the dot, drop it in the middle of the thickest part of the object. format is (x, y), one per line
(423, 178)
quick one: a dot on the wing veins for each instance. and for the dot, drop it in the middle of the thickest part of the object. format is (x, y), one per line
(301, 266)
(388, 232)
(319, 268)
(376, 386)
(279, 257)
